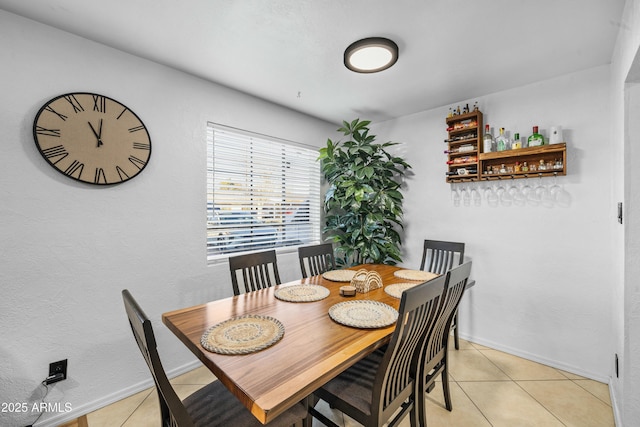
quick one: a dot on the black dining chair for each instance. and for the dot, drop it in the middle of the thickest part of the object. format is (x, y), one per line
(438, 257)
(258, 271)
(212, 405)
(318, 259)
(435, 352)
(382, 387)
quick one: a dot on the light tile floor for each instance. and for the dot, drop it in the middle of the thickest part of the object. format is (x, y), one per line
(488, 388)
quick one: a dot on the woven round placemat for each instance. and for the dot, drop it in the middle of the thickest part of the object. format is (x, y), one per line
(363, 314)
(339, 275)
(302, 293)
(420, 275)
(243, 335)
(397, 289)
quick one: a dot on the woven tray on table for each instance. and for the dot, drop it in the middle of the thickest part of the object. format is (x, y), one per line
(302, 293)
(243, 335)
(420, 275)
(339, 275)
(363, 314)
(397, 289)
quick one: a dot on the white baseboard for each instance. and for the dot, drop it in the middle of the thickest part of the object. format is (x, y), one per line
(617, 416)
(536, 358)
(79, 411)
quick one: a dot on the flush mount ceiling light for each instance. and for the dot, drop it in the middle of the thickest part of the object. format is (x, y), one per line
(371, 55)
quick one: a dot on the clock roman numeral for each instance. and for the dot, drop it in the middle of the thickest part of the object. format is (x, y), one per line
(137, 162)
(51, 110)
(99, 103)
(122, 174)
(74, 167)
(53, 152)
(136, 129)
(141, 146)
(100, 177)
(47, 132)
(71, 99)
(121, 113)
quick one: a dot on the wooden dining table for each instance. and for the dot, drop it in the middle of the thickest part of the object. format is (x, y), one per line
(313, 350)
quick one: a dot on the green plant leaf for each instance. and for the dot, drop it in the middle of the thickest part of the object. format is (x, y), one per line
(363, 204)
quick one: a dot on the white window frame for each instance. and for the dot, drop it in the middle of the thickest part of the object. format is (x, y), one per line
(263, 193)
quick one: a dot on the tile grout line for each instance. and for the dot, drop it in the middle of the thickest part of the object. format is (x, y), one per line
(136, 408)
(540, 403)
(566, 378)
(520, 387)
(474, 404)
(589, 391)
(469, 397)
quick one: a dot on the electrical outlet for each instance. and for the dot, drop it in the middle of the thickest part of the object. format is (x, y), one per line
(57, 372)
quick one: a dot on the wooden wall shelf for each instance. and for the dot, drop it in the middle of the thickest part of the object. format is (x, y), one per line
(464, 130)
(531, 162)
(554, 158)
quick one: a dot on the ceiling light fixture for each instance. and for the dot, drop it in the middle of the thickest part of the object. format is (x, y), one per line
(371, 55)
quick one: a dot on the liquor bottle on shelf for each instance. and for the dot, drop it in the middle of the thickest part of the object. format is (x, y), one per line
(463, 159)
(461, 172)
(461, 149)
(501, 141)
(464, 124)
(516, 141)
(461, 137)
(535, 140)
(487, 141)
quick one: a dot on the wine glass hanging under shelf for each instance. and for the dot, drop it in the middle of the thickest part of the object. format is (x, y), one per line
(508, 191)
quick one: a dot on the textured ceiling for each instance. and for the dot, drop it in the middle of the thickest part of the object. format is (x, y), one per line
(290, 52)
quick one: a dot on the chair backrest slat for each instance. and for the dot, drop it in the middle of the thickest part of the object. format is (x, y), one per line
(172, 411)
(441, 256)
(418, 311)
(320, 258)
(455, 286)
(258, 270)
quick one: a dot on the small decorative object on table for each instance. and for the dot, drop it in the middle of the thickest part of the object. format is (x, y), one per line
(365, 281)
(347, 291)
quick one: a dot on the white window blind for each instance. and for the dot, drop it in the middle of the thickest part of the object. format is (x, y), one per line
(262, 192)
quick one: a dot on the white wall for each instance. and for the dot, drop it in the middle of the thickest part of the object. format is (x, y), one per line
(548, 281)
(626, 108)
(69, 249)
(543, 275)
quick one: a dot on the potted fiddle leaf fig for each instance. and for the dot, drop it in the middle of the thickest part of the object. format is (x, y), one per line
(363, 204)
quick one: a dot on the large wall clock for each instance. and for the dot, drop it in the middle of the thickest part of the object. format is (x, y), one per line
(92, 138)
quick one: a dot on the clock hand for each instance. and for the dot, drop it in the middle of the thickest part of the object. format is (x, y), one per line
(97, 134)
(93, 130)
(100, 134)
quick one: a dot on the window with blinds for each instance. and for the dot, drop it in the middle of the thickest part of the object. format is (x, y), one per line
(262, 192)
